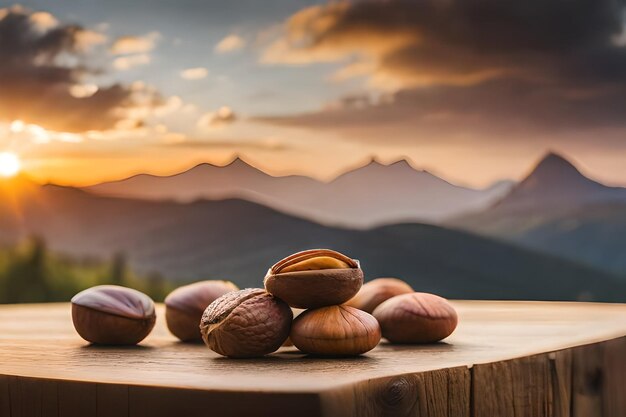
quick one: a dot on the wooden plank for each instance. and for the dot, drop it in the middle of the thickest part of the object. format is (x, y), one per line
(112, 400)
(5, 399)
(505, 359)
(49, 398)
(488, 332)
(441, 393)
(77, 399)
(599, 379)
(28, 392)
(561, 362)
(29, 397)
(614, 383)
(492, 390)
(519, 387)
(155, 401)
(459, 389)
(587, 381)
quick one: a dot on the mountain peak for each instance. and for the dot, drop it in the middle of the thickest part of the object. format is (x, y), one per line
(399, 163)
(554, 158)
(554, 167)
(373, 161)
(556, 183)
(237, 161)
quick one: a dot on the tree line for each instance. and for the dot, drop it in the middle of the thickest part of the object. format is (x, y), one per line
(30, 273)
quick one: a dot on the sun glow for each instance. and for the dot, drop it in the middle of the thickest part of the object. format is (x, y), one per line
(9, 164)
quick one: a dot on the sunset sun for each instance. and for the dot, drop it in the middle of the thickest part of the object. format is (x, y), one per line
(9, 164)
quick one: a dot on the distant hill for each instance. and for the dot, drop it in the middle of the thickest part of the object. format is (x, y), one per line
(558, 210)
(555, 183)
(239, 240)
(372, 195)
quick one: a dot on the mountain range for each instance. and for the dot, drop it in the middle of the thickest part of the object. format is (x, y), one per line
(372, 195)
(238, 240)
(558, 210)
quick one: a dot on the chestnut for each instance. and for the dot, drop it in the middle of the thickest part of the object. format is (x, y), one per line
(374, 292)
(246, 323)
(416, 318)
(314, 278)
(184, 307)
(113, 315)
(335, 331)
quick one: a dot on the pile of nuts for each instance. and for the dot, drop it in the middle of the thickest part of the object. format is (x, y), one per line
(341, 317)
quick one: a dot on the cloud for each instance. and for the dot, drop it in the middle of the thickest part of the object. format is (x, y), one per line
(197, 73)
(494, 103)
(135, 44)
(222, 117)
(229, 44)
(459, 71)
(133, 51)
(43, 21)
(270, 144)
(83, 90)
(42, 63)
(401, 43)
(124, 63)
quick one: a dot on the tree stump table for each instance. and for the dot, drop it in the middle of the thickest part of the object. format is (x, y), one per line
(505, 359)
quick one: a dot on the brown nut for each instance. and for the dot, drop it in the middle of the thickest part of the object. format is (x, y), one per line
(416, 318)
(184, 307)
(246, 323)
(296, 312)
(113, 315)
(314, 278)
(335, 331)
(376, 291)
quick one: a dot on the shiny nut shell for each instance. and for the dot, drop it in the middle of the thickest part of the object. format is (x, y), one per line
(314, 288)
(113, 315)
(374, 292)
(335, 331)
(416, 318)
(185, 305)
(246, 323)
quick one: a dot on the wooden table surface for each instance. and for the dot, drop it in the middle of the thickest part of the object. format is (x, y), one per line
(498, 346)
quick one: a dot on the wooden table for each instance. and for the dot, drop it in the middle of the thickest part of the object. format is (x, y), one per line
(505, 359)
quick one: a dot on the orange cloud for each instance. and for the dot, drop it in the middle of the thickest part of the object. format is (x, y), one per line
(135, 44)
(197, 73)
(40, 86)
(223, 116)
(123, 63)
(229, 44)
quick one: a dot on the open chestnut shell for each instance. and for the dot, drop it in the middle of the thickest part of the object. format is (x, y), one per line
(113, 315)
(315, 278)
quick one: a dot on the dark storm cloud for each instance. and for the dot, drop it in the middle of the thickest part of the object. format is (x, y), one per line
(433, 41)
(485, 65)
(40, 61)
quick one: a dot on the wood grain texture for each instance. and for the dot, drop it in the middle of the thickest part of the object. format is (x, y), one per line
(505, 359)
(561, 362)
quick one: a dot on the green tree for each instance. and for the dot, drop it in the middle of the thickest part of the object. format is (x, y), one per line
(119, 269)
(26, 279)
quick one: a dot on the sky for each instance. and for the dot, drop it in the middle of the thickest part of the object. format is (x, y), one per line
(472, 90)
